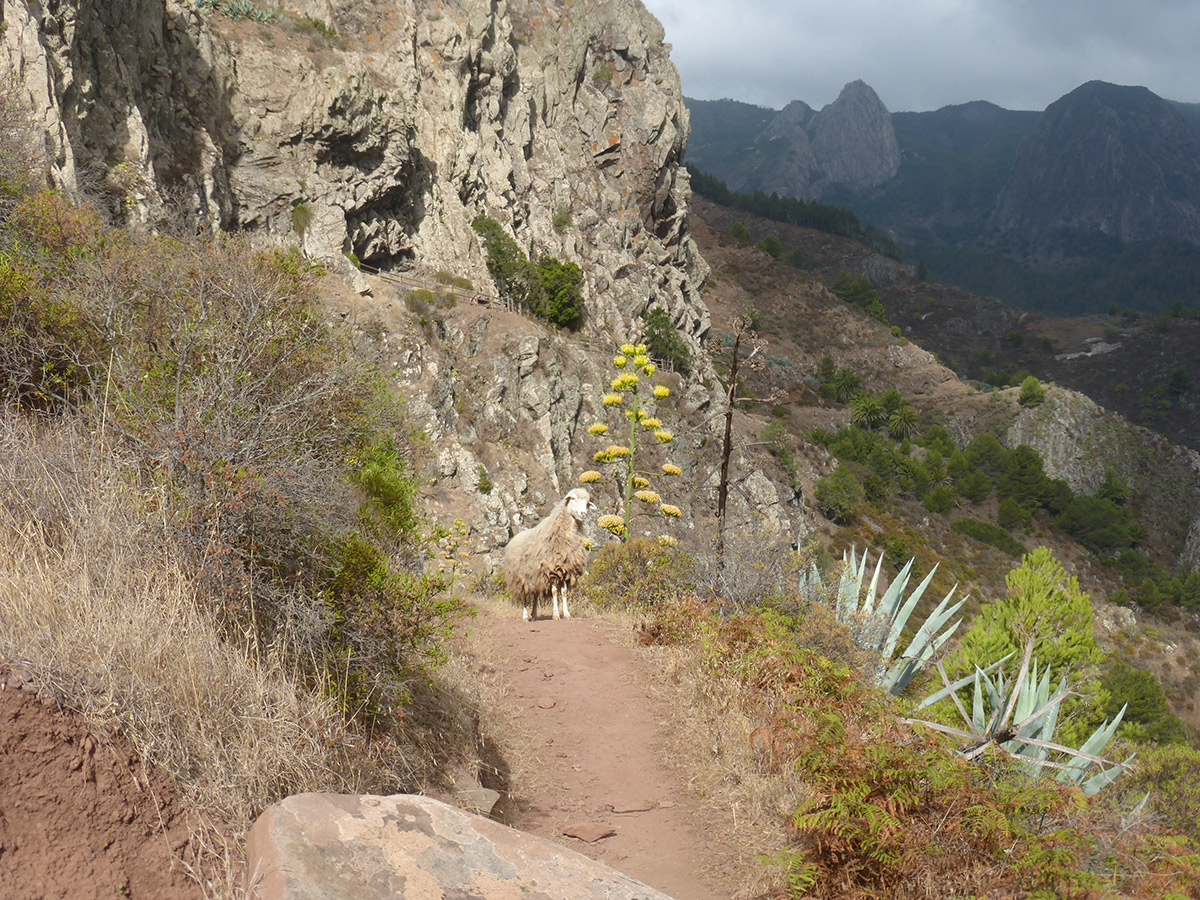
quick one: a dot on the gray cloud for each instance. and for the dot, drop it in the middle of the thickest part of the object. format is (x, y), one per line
(924, 54)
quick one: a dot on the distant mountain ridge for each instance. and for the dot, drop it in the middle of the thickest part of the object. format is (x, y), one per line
(1048, 210)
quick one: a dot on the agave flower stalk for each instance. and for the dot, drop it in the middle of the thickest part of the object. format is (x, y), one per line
(626, 390)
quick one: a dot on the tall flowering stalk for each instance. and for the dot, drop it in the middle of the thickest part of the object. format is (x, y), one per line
(637, 399)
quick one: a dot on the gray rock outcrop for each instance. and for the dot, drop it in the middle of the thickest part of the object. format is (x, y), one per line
(335, 846)
(849, 144)
(382, 130)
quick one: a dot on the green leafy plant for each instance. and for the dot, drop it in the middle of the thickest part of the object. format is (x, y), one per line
(839, 493)
(664, 342)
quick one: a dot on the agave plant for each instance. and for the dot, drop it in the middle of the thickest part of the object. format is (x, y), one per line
(1019, 716)
(878, 623)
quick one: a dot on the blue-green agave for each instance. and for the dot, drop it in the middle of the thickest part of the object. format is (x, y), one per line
(1019, 716)
(879, 622)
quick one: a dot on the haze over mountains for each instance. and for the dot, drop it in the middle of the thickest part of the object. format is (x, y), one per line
(1092, 203)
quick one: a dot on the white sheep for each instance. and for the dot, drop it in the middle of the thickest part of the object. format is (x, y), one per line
(545, 560)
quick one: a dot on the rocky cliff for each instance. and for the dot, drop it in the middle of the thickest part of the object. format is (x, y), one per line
(381, 129)
(801, 152)
(1107, 159)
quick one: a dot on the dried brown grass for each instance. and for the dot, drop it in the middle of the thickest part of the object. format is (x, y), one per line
(97, 602)
(721, 745)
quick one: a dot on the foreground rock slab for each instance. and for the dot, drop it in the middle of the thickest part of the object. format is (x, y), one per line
(367, 847)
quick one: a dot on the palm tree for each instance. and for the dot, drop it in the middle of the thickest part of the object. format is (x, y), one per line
(846, 383)
(867, 409)
(902, 423)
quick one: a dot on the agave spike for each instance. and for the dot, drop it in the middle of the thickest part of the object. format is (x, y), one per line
(869, 600)
(900, 619)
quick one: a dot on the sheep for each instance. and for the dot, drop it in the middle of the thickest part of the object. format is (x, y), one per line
(545, 560)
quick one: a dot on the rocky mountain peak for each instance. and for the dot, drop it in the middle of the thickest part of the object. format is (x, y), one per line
(1106, 158)
(848, 144)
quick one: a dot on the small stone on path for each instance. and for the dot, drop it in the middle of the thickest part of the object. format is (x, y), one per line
(547, 703)
(589, 831)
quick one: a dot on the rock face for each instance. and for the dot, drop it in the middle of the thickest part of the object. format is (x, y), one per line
(382, 129)
(1107, 159)
(1080, 441)
(367, 847)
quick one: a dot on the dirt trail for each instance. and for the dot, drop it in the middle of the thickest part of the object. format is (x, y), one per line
(580, 705)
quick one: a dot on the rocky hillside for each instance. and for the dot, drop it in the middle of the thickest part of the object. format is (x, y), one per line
(381, 129)
(850, 145)
(1108, 160)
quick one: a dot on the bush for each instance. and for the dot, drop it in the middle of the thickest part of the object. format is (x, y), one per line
(1032, 392)
(664, 341)
(637, 574)
(987, 533)
(560, 300)
(839, 494)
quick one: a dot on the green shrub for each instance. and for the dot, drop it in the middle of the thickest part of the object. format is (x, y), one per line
(638, 574)
(560, 300)
(1147, 716)
(562, 218)
(1013, 515)
(740, 233)
(771, 245)
(302, 216)
(1032, 392)
(664, 341)
(939, 500)
(987, 533)
(839, 494)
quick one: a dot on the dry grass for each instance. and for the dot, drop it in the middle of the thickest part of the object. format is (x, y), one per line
(721, 748)
(96, 601)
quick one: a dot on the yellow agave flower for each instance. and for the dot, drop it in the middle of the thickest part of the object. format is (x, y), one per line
(641, 360)
(671, 469)
(619, 361)
(640, 482)
(668, 510)
(611, 523)
(648, 496)
(651, 422)
(661, 392)
(591, 476)
(624, 381)
(628, 349)
(665, 540)
(664, 436)
(612, 399)
(598, 428)
(649, 368)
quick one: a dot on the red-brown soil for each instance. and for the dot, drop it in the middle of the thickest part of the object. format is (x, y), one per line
(80, 818)
(578, 702)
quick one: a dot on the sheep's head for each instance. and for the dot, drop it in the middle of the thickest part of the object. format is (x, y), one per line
(579, 501)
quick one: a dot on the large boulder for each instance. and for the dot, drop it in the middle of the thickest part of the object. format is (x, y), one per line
(366, 847)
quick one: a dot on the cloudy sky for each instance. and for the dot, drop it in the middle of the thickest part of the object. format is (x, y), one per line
(925, 54)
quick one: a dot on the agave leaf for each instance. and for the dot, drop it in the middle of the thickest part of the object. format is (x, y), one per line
(1104, 778)
(951, 690)
(906, 668)
(901, 618)
(869, 601)
(1090, 749)
(895, 592)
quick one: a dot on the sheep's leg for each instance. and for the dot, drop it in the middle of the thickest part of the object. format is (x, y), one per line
(555, 589)
(525, 611)
(563, 590)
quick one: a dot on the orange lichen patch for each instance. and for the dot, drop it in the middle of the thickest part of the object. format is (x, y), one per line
(613, 138)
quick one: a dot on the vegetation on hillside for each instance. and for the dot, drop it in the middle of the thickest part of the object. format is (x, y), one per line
(807, 213)
(210, 533)
(884, 807)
